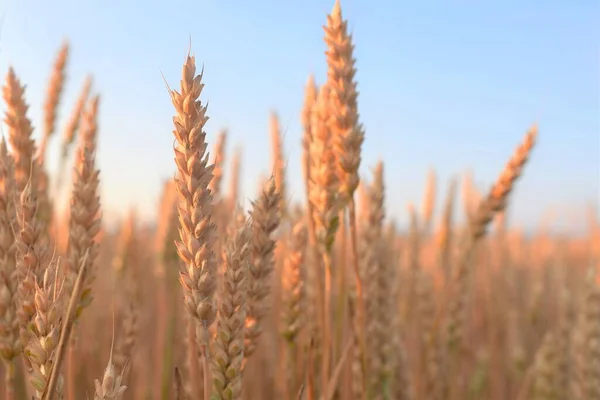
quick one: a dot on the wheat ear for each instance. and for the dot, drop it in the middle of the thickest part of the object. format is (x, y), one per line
(9, 324)
(53, 95)
(265, 220)
(197, 231)
(229, 342)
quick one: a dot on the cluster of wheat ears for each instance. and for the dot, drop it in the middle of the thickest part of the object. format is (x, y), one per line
(323, 301)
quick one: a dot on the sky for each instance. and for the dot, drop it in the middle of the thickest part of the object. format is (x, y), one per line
(449, 85)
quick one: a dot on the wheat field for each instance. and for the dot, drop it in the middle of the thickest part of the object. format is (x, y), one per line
(320, 300)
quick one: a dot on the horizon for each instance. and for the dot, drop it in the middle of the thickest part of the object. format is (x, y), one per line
(434, 81)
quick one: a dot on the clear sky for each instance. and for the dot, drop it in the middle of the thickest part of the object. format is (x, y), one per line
(452, 85)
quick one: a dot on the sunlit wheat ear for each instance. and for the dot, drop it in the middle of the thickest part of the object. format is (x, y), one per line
(295, 311)
(323, 184)
(378, 289)
(445, 234)
(265, 221)
(219, 162)
(310, 99)
(499, 193)
(278, 162)
(467, 196)
(293, 283)
(228, 346)
(348, 136)
(493, 203)
(428, 204)
(71, 129)
(126, 265)
(73, 125)
(53, 97)
(346, 131)
(197, 231)
(85, 218)
(234, 180)
(323, 205)
(9, 344)
(51, 105)
(20, 130)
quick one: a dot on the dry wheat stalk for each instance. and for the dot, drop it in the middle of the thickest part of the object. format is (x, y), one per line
(72, 128)
(293, 282)
(310, 99)
(278, 161)
(346, 130)
(427, 207)
(294, 314)
(488, 207)
(125, 346)
(234, 183)
(323, 200)
(20, 129)
(195, 200)
(469, 195)
(348, 136)
(323, 183)
(445, 233)
(85, 220)
(197, 273)
(53, 95)
(127, 247)
(229, 342)
(378, 289)
(45, 204)
(126, 266)
(218, 161)
(265, 221)
(9, 323)
(84, 223)
(413, 260)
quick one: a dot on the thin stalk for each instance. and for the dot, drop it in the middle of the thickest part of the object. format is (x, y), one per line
(65, 335)
(326, 321)
(360, 312)
(71, 371)
(160, 343)
(168, 355)
(192, 359)
(9, 379)
(293, 368)
(206, 374)
(341, 283)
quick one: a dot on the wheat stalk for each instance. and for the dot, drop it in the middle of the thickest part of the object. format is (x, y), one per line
(229, 342)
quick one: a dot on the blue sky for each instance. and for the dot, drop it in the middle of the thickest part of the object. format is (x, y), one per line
(450, 85)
